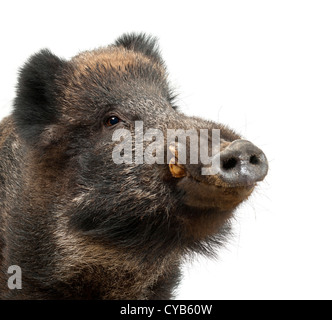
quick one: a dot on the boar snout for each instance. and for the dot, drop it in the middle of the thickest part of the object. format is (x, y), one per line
(242, 164)
(227, 181)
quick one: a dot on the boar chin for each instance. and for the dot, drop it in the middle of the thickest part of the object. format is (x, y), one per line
(202, 195)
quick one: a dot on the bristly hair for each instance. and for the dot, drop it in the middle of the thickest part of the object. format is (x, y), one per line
(148, 46)
(142, 43)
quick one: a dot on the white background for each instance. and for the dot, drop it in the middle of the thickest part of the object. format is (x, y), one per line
(262, 67)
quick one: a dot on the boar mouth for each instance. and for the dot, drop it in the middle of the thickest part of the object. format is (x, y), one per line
(239, 164)
(208, 191)
(203, 194)
(179, 171)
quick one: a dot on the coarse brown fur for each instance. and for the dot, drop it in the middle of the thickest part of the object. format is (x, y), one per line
(79, 225)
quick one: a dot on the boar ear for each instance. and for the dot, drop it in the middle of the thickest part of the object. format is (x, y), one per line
(142, 43)
(148, 46)
(35, 104)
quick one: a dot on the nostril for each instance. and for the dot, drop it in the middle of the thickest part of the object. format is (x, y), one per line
(254, 159)
(229, 163)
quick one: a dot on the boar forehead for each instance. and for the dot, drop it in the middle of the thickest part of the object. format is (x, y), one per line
(94, 82)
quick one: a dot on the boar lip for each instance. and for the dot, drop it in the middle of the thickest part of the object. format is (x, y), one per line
(183, 172)
(223, 185)
(179, 171)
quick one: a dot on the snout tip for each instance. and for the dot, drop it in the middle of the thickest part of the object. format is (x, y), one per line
(242, 164)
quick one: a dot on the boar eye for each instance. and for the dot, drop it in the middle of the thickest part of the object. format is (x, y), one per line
(111, 121)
